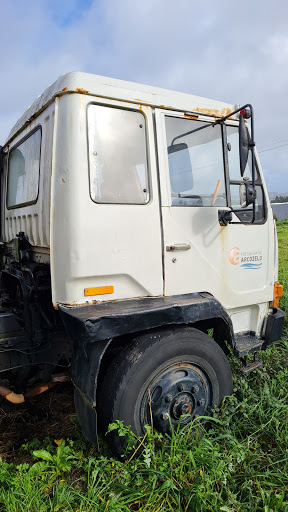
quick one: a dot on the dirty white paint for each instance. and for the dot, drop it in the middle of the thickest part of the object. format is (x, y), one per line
(124, 246)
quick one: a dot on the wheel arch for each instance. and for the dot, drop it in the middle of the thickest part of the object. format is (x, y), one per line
(216, 327)
(100, 331)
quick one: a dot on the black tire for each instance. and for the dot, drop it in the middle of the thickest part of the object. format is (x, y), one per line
(170, 371)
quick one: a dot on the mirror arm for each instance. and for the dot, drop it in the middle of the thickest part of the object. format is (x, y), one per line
(224, 218)
(222, 119)
(251, 144)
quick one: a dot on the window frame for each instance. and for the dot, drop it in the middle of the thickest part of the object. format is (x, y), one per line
(26, 137)
(127, 108)
(211, 122)
(258, 180)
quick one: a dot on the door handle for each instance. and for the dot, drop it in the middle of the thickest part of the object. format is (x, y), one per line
(178, 247)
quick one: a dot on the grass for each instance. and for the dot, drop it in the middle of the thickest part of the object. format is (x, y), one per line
(239, 464)
(282, 230)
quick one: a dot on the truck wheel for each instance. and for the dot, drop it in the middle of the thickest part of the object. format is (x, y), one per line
(165, 373)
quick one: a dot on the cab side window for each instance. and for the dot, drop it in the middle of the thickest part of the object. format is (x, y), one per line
(23, 171)
(118, 164)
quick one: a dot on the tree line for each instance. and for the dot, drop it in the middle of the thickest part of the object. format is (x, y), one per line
(280, 199)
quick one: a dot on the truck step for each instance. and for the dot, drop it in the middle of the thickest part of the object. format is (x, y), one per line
(251, 367)
(246, 344)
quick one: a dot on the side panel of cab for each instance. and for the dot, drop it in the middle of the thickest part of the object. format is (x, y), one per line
(33, 219)
(114, 248)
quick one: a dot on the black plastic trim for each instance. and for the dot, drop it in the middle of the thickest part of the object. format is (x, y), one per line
(95, 322)
(274, 327)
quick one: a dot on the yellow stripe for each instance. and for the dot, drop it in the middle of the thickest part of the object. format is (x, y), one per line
(99, 290)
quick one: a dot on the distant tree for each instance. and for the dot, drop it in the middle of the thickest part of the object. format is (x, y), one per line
(280, 199)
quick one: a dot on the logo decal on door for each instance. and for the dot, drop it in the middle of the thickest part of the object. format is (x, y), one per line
(234, 256)
(249, 260)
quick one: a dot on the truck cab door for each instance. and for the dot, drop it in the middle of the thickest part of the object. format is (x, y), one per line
(233, 262)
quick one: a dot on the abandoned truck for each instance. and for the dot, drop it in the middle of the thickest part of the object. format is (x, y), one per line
(137, 246)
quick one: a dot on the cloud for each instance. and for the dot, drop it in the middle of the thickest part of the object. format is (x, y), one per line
(224, 50)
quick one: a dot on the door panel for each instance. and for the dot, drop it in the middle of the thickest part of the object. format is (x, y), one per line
(104, 244)
(234, 262)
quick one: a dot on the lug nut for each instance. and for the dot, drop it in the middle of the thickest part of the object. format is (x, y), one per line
(195, 389)
(181, 387)
(201, 402)
(168, 398)
(165, 416)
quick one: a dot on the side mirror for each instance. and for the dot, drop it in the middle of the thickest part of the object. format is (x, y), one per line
(177, 147)
(180, 168)
(247, 194)
(244, 146)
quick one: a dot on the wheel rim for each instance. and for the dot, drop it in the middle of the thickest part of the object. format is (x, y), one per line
(179, 392)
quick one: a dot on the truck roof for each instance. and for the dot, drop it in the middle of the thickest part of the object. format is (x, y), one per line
(104, 87)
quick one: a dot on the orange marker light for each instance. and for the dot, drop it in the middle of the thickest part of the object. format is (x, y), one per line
(99, 290)
(278, 292)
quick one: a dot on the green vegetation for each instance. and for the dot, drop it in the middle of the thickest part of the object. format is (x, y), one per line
(280, 199)
(282, 230)
(239, 464)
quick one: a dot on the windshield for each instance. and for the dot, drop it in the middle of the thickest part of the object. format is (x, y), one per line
(196, 166)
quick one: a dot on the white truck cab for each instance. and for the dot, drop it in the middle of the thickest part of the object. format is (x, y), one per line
(138, 219)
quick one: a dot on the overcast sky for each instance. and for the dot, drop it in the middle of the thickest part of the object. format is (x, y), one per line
(226, 50)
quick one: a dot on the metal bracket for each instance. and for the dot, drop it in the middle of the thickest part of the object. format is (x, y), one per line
(224, 217)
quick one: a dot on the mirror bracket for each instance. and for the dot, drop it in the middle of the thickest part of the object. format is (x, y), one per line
(224, 217)
(246, 112)
(247, 194)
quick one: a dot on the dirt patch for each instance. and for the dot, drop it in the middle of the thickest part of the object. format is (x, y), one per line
(49, 414)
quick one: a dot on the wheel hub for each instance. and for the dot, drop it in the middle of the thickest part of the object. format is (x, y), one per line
(176, 394)
(183, 404)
